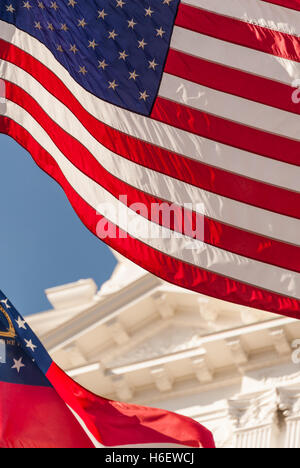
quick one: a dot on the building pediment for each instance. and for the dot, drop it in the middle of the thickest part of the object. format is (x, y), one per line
(170, 339)
(139, 333)
(144, 341)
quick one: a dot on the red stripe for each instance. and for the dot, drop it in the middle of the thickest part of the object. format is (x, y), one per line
(159, 264)
(227, 132)
(231, 81)
(239, 32)
(36, 417)
(215, 233)
(293, 4)
(175, 165)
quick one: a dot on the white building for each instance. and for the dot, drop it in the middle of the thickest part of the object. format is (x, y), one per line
(144, 341)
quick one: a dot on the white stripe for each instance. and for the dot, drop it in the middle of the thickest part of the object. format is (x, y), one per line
(218, 207)
(94, 441)
(156, 133)
(211, 258)
(254, 11)
(227, 106)
(235, 56)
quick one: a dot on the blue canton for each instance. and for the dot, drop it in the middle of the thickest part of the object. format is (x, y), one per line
(23, 358)
(115, 49)
(27, 374)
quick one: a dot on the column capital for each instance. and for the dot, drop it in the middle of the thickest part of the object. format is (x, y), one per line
(253, 410)
(290, 401)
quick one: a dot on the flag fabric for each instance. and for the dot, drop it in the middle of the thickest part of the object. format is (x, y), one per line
(41, 407)
(142, 103)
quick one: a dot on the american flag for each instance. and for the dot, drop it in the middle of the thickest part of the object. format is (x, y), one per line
(150, 102)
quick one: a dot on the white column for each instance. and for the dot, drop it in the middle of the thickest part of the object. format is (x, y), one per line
(290, 405)
(260, 437)
(254, 417)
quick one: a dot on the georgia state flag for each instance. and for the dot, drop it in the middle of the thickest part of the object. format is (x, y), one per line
(41, 407)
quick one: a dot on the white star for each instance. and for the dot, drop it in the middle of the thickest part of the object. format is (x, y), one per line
(133, 75)
(102, 14)
(30, 345)
(54, 6)
(82, 71)
(18, 364)
(6, 303)
(160, 32)
(102, 64)
(120, 3)
(82, 23)
(113, 85)
(27, 5)
(153, 64)
(21, 323)
(112, 34)
(73, 48)
(93, 44)
(123, 55)
(144, 96)
(142, 44)
(10, 8)
(167, 2)
(149, 12)
(72, 3)
(131, 23)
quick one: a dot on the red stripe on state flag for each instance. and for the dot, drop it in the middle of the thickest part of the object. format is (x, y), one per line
(158, 263)
(36, 417)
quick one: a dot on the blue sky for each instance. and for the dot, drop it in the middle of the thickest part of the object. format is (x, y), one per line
(42, 241)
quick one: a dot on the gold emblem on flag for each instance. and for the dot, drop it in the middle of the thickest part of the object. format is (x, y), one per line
(10, 333)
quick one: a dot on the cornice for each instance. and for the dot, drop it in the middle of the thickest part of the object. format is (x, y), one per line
(102, 312)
